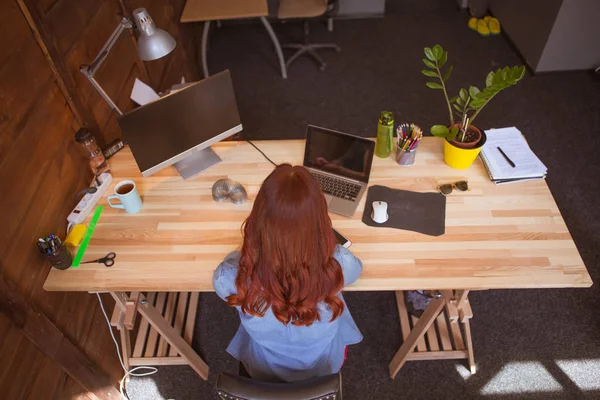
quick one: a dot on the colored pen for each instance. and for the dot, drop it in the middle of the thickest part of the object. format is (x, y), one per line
(512, 164)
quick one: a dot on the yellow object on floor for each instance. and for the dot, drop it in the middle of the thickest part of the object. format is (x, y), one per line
(494, 26)
(487, 18)
(482, 28)
(473, 23)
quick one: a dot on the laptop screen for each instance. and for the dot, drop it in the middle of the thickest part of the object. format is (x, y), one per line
(339, 153)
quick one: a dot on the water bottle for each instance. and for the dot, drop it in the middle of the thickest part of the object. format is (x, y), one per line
(385, 135)
(87, 143)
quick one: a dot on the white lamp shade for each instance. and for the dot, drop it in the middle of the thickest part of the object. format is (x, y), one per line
(153, 43)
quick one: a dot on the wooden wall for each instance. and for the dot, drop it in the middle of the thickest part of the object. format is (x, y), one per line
(44, 99)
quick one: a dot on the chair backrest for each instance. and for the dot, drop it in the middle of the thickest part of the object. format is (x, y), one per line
(234, 387)
(302, 8)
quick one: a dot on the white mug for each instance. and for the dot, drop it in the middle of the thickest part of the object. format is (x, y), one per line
(126, 192)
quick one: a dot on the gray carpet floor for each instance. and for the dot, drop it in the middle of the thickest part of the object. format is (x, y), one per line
(529, 344)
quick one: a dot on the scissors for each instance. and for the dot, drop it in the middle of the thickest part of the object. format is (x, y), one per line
(107, 260)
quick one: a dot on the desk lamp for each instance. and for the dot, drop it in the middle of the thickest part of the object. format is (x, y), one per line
(153, 43)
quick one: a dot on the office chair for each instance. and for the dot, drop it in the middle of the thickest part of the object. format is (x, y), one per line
(307, 9)
(234, 387)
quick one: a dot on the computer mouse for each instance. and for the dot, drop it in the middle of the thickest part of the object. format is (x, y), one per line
(380, 214)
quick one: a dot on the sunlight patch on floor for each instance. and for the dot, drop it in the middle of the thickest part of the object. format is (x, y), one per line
(584, 373)
(522, 377)
(143, 388)
(463, 371)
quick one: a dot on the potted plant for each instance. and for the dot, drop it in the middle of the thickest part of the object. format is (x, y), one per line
(463, 140)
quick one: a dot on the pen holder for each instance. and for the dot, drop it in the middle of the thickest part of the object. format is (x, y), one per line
(62, 259)
(405, 158)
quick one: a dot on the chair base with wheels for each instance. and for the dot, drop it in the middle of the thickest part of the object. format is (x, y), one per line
(309, 49)
(291, 9)
(233, 387)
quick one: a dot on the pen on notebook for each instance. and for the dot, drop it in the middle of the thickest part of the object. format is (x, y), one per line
(512, 164)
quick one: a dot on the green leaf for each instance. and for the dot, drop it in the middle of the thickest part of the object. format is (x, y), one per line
(489, 79)
(434, 85)
(500, 77)
(427, 72)
(443, 59)
(460, 101)
(447, 73)
(457, 108)
(463, 94)
(452, 134)
(517, 73)
(477, 103)
(473, 91)
(429, 63)
(439, 131)
(438, 52)
(453, 99)
(429, 54)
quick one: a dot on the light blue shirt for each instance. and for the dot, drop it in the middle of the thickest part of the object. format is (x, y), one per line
(272, 351)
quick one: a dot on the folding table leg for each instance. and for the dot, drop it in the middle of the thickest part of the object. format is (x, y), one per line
(428, 317)
(170, 334)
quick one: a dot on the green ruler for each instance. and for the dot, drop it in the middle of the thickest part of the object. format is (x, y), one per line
(87, 237)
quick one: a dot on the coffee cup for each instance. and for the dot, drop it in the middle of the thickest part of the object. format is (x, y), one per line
(128, 196)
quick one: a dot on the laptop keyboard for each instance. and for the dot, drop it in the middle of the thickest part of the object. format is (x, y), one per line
(337, 187)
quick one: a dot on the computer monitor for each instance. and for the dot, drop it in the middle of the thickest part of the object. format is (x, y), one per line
(179, 128)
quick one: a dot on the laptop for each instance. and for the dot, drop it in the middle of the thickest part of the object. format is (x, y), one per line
(341, 163)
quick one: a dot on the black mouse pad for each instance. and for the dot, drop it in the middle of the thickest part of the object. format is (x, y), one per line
(412, 211)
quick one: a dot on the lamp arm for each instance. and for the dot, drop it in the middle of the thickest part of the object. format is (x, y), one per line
(112, 40)
(90, 70)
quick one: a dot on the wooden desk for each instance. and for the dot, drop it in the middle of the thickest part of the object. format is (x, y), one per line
(217, 10)
(497, 237)
(212, 10)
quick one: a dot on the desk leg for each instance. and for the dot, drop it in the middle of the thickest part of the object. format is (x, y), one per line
(428, 317)
(277, 46)
(155, 318)
(204, 48)
(458, 312)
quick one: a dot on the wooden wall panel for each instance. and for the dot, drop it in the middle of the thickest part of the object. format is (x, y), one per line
(46, 381)
(11, 341)
(45, 154)
(41, 165)
(43, 6)
(69, 389)
(68, 19)
(23, 368)
(13, 29)
(42, 170)
(20, 83)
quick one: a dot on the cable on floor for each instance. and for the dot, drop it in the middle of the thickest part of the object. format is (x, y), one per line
(151, 370)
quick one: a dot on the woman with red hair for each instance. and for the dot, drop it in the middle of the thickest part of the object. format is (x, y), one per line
(286, 283)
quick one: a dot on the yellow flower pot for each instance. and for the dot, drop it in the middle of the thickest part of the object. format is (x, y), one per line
(461, 158)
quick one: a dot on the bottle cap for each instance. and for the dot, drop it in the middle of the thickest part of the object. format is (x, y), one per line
(83, 135)
(386, 118)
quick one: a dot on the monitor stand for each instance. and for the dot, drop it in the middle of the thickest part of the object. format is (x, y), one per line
(196, 163)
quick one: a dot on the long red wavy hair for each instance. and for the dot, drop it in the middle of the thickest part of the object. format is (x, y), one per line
(287, 256)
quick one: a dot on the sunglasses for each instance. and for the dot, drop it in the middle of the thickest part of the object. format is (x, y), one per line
(446, 189)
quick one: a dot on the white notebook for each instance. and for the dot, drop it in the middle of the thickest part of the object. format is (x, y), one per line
(512, 142)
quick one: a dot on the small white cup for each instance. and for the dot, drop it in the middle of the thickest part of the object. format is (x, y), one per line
(126, 192)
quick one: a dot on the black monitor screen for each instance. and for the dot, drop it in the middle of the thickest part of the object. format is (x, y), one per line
(167, 130)
(339, 153)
